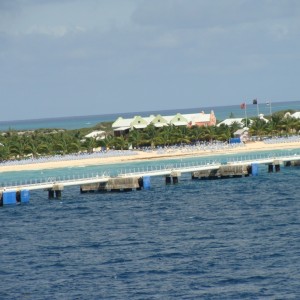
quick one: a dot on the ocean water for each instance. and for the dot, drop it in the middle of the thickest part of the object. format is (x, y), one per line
(221, 112)
(200, 239)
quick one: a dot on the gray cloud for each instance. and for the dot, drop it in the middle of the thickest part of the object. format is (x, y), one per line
(138, 55)
(202, 13)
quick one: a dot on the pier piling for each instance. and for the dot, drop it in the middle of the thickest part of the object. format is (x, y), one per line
(50, 194)
(168, 179)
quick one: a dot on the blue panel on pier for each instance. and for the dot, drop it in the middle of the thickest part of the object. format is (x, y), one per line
(146, 182)
(9, 198)
(254, 169)
(25, 195)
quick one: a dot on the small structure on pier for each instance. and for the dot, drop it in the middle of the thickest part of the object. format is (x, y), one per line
(223, 172)
(56, 191)
(113, 185)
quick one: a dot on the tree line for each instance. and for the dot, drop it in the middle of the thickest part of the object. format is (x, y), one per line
(47, 142)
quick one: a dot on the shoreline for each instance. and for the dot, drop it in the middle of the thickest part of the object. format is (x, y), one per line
(146, 156)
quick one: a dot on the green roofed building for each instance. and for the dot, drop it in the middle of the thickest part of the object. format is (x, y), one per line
(122, 126)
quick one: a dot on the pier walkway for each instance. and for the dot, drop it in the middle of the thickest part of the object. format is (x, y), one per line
(139, 177)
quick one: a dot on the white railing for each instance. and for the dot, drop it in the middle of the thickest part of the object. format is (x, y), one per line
(54, 180)
(152, 169)
(167, 167)
(190, 165)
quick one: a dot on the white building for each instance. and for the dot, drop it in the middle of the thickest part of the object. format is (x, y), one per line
(242, 133)
(97, 134)
(231, 121)
(121, 126)
(296, 115)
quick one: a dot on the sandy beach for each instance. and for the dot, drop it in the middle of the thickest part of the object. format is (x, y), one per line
(152, 155)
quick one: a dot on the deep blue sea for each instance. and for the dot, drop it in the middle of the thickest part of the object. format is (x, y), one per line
(221, 112)
(199, 239)
(216, 239)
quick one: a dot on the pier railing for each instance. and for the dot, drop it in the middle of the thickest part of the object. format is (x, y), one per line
(206, 163)
(168, 167)
(54, 180)
(261, 156)
(153, 169)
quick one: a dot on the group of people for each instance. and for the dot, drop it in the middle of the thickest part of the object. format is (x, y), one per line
(183, 148)
(67, 157)
(199, 146)
(283, 139)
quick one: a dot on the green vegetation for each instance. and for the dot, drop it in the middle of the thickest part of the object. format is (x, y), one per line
(46, 142)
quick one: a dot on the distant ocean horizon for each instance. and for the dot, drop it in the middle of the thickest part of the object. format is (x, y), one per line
(77, 122)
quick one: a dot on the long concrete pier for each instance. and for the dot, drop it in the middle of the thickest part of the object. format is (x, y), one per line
(138, 178)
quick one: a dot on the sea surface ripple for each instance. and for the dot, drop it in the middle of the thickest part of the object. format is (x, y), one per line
(210, 239)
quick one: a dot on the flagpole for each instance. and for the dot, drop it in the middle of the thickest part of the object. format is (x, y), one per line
(246, 115)
(269, 103)
(257, 108)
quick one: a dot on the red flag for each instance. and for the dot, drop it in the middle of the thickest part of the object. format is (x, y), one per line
(243, 105)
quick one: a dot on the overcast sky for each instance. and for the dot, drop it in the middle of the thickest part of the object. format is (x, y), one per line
(87, 57)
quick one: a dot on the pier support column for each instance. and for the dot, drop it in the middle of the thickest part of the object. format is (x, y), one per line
(270, 168)
(249, 170)
(50, 194)
(254, 169)
(287, 163)
(296, 163)
(168, 179)
(175, 176)
(18, 197)
(277, 168)
(58, 194)
(56, 190)
(141, 183)
(146, 182)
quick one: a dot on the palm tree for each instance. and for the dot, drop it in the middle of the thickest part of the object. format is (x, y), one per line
(150, 135)
(224, 133)
(4, 152)
(45, 148)
(196, 133)
(258, 127)
(135, 138)
(165, 135)
(181, 135)
(32, 148)
(74, 146)
(63, 144)
(17, 146)
(121, 143)
(288, 124)
(209, 133)
(90, 144)
(108, 142)
(272, 128)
